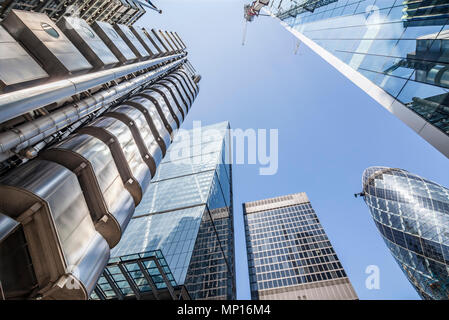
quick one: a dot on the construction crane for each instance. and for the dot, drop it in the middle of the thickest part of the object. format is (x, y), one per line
(250, 11)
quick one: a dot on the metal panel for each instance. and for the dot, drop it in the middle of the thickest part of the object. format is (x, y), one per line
(189, 80)
(173, 40)
(16, 65)
(137, 15)
(131, 40)
(155, 119)
(186, 83)
(114, 42)
(170, 100)
(7, 226)
(156, 42)
(145, 41)
(168, 41)
(40, 35)
(161, 40)
(149, 148)
(110, 204)
(176, 39)
(182, 85)
(165, 110)
(68, 255)
(87, 42)
(180, 40)
(135, 173)
(182, 99)
(117, 14)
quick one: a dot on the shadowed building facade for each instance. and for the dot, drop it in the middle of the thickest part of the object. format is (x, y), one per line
(289, 254)
(396, 51)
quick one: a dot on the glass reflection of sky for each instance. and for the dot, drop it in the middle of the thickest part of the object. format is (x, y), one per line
(412, 215)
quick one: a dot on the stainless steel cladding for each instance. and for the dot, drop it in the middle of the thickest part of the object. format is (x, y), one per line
(161, 40)
(170, 99)
(135, 173)
(190, 81)
(156, 42)
(164, 109)
(180, 40)
(87, 42)
(145, 41)
(172, 41)
(110, 203)
(132, 42)
(179, 97)
(40, 35)
(17, 67)
(114, 42)
(155, 119)
(177, 40)
(183, 85)
(85, 147)
(67, 253)
(7, 226)
(146, 140)
(126, 12)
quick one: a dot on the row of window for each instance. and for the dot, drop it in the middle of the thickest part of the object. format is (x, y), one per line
(270, 284)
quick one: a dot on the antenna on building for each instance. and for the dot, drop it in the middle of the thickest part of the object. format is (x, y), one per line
(250, 11)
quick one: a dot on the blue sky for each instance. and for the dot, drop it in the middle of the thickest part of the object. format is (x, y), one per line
(329, 130)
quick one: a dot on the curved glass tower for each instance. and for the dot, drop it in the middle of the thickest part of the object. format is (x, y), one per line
(412, 214)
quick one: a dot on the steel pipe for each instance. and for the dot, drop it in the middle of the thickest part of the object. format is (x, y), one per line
(19, 102)
(32, 132)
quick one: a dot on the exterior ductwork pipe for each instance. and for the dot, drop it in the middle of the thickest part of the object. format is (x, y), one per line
(34, 131)
(19, 102)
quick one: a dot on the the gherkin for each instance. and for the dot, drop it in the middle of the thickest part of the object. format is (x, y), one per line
(412, 214)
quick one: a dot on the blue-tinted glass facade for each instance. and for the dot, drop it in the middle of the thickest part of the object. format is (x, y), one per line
(289, 253)
(412, 214)
(187, 214)
(401, 46)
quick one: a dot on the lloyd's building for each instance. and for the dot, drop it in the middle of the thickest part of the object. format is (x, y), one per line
(396, 51)
(89, 105)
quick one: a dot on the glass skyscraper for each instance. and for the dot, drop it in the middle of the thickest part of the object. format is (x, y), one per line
(397, 51)
(186, 215)
(289, 254)
(412, 214)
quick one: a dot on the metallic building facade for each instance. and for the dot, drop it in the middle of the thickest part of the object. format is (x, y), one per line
(112, 11)
(86, 116)
(396, 51)
(289, 254)
(187, 214)
(412, 214)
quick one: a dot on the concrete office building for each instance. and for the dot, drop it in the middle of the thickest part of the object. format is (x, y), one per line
(289, 254)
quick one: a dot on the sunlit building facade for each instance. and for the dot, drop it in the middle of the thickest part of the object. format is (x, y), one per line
(396, 51)
(187, 215)
(289, 254)
(412, 214)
